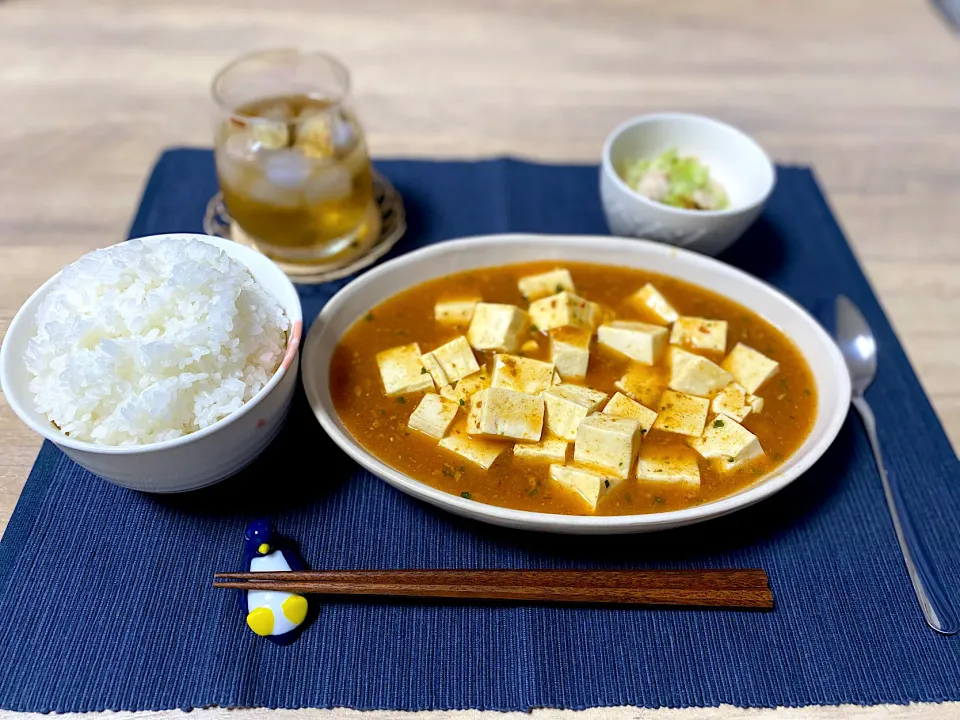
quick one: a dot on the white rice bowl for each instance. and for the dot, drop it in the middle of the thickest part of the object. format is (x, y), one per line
(138, 343)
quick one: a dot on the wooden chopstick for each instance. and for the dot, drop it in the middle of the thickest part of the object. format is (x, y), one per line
(738, 589)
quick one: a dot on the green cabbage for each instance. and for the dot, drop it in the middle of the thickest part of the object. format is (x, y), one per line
(685, 176)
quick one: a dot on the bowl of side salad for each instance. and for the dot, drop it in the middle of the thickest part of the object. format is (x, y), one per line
(683, 179)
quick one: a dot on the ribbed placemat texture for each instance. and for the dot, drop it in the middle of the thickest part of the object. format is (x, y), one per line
(105, 594)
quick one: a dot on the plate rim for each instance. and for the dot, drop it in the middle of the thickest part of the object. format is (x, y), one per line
(554, 522)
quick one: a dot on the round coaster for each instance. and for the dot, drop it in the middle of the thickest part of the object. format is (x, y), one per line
(384, 225)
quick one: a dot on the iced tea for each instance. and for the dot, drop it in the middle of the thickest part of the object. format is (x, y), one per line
(295, 175)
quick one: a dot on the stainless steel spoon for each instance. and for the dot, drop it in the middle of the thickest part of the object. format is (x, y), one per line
(860, 353)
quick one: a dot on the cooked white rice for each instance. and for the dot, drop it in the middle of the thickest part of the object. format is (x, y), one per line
(142, 343)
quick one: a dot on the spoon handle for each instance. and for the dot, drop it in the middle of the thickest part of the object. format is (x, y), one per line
(930, 594)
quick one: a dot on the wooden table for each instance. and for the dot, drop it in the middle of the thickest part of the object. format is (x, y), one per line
(865, 90)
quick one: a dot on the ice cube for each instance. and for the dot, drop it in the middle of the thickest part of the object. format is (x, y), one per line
(330, 183)
(240, 145)
(270, 135)
(345, 133)
(286, 168)
(314, 136)
(262, 190)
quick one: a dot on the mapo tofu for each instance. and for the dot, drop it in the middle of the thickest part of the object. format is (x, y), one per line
(573, 388)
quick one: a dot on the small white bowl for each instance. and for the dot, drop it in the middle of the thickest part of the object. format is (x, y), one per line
(737, 162)
(185, 463)
(356, 300)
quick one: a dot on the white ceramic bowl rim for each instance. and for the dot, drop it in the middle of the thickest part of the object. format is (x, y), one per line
(50, 433)
(550, 521)
(620, 129)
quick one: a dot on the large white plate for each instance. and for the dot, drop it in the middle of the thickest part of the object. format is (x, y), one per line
(357, 298)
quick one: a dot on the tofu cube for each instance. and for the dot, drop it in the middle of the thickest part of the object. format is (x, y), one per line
(550, 449)
(556, 378)
(643, 384)
(609, 443)
(432, 366)
(756, 403)
(651, 303)
(750, 368)
(534, 287)
(456, 313)
(530, 346)
(641, 342)
(622, 406)
(696, 375)
(563, 309)
(401, 371)
(590, 486)
(682, 414)
(570, 351)
(567, 405)
(466, 388)
(676, 466)
(727, 441)
(482, 453)
(700, 334)
(505, 414)
(732, 401)
(521, 374)
(497, 327)
(433, 416)
(455, 360)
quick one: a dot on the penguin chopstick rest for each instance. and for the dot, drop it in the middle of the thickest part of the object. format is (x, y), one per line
(275, 615)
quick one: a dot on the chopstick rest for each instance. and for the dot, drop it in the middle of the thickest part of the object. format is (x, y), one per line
(276, 614)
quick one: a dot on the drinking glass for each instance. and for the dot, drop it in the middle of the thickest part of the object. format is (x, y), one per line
(291, 156)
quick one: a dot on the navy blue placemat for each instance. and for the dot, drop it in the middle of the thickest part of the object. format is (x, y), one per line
(105, 594)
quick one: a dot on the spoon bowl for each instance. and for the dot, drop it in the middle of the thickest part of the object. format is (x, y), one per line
(857, 345)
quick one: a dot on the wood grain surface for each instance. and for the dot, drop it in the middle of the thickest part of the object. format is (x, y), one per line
(865, 90)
